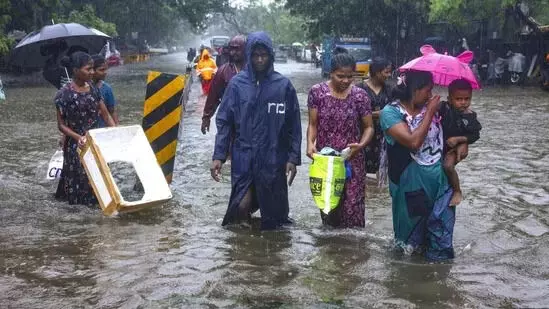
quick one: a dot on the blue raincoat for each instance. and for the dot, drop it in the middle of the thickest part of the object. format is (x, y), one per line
(265, 120)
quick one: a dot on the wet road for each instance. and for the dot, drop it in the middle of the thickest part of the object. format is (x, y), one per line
(53, 255)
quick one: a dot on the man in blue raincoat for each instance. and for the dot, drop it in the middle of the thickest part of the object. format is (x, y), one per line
(260, 108)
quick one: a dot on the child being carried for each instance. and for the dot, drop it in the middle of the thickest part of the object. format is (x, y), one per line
(460, 127)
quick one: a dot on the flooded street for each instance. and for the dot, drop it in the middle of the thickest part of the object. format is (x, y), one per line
(53, 255)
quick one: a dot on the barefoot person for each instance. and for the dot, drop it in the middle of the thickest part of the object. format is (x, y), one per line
(260, 109)
(460, 126)
(206, 70)
(422, 216)
(337, 112)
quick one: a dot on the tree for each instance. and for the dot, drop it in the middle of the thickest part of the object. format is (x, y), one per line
(31, 15)
(87, 17)
(387, 22)
(5, 42)
(461, 12)
(154, 20)
(284, 27)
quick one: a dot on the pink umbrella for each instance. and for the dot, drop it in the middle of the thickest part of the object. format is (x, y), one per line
(445, 68)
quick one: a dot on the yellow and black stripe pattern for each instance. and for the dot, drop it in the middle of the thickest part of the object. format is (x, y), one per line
(161, 117)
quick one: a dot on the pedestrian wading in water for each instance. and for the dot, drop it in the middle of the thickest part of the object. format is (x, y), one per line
(79, 105)
(378, 93)
(206, 70)
(461, 128)
(422, 216)
(237, 61)
(260, 109)
(340, 116)
(100, 68)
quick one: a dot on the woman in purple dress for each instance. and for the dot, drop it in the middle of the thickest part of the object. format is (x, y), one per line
(338, 111)
(79, 104)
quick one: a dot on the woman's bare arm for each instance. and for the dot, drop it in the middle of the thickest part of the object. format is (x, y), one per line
(312, 132)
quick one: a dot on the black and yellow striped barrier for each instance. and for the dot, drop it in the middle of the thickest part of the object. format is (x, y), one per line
(162, 115)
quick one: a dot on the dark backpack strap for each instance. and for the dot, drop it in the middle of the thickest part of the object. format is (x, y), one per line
(398, 156)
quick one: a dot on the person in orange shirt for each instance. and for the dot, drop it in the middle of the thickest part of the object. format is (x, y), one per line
(206, 70)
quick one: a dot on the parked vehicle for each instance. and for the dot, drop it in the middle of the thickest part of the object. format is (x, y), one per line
(517, 62)
(359, 48)
(281, 54)
(296, 51)
(217, 43)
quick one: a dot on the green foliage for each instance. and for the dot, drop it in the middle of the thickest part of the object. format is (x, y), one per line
(5, 42)
(284, 27)
(540, 11)
(87, 16)
(158, 21)
(154, 20)
(381, 20)
(462, 12)
(29, 15)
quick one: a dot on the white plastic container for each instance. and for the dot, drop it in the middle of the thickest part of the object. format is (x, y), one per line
(123, 144)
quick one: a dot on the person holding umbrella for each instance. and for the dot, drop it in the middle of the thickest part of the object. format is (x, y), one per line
(459, 123)
(422, 216)
(421, 195)
(53, 71)
(78, 105)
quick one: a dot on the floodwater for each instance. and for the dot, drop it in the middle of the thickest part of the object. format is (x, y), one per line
(53, 255)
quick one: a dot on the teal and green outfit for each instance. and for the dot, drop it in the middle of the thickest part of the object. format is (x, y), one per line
(422, 218)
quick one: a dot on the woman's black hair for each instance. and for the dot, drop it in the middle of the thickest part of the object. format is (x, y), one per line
(340, 50)
(98, 60)
(76, 60)
(378, 64)
(410, 82)
(342, 60)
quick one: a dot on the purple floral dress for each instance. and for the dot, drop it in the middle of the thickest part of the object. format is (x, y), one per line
(80, 112)
(339, 124)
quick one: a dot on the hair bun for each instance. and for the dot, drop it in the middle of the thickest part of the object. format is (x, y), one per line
(65, 61)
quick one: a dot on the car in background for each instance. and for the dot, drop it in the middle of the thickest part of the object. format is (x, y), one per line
(359, 48)
(217, 43)
(281, 54)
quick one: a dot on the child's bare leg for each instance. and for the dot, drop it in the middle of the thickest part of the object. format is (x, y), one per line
(450, 161)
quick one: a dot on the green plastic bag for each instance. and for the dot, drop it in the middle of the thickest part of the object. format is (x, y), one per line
(327, 181)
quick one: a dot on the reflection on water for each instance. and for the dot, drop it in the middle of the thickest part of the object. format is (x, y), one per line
(53, 255)
(126, 179)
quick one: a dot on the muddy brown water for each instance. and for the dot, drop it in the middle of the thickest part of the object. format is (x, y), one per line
(53, 255)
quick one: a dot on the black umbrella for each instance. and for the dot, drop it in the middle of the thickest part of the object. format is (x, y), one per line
(37, 47)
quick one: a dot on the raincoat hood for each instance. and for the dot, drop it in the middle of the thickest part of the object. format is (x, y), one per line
(254, 39)
(259, 125)
(205, 55)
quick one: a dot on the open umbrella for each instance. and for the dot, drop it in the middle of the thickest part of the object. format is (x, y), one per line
(37, 47)
(445, 68)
